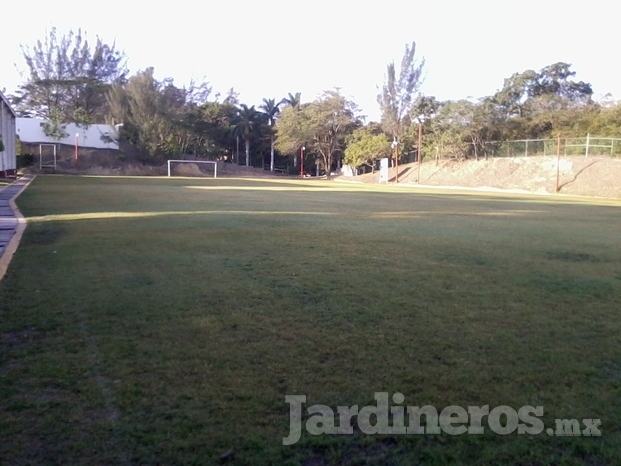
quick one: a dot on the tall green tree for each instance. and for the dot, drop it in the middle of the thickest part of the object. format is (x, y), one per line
(365, 146)
(321, 126)
(271, 110)
(69, 77)
(294, 100)
(397, 96)
(141, 108)
(247, 125)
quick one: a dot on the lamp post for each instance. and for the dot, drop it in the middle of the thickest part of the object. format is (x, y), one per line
(395, 146)
(302, 149)
(420, 149)
(77, 163)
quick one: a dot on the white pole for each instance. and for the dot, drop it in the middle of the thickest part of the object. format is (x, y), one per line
(169, 169)
(586, 153)
(215, 170)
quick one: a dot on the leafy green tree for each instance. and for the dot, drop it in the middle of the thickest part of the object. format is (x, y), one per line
(247, 125)
(294, 100)
(142, 109)
(55, 126)
(424, 108)
(159, 118)
(322, 126)
(271, 110)
(365, 146)
(396, 99)
(217, 125)
(68, 78)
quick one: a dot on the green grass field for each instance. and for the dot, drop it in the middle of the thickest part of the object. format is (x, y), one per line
(163, 321)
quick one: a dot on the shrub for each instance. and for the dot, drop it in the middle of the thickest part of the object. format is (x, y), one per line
(25, 160)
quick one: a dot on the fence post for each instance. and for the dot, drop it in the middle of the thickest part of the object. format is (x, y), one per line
(586, 152)
(558, 160)
(526, 149)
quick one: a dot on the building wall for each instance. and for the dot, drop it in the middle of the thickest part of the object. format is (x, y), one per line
(30, 130)
(8, 161)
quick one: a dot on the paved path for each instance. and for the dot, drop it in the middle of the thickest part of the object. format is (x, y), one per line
(8, 218)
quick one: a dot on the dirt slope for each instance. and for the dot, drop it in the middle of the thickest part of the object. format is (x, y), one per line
(591, 176)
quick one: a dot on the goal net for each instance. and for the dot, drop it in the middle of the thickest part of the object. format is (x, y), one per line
(193, 168)
(47, 156)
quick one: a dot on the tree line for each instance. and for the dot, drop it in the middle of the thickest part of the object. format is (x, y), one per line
(71, 80)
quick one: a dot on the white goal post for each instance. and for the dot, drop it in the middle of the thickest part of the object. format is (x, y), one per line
(49, 162)
(215, 165)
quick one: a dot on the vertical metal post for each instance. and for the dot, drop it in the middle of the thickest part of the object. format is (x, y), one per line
(586, 152)
(77, 163)
(397, 162)
(526, 149)
(420, 148)
(302, 162)
(169, 169)
(558, 161)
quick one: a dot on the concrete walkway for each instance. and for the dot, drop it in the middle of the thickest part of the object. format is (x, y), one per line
(12, 222)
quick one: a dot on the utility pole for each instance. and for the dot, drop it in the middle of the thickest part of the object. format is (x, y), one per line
(558, 161)
(420, 149)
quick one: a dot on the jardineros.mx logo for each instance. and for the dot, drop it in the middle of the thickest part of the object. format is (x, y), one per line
(382, 418)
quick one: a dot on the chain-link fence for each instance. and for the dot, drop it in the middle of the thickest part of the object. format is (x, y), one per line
(593, 146)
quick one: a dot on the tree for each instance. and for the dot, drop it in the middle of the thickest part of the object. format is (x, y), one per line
(365, 146)
(321, 126)
(294, 100)
(217, 126)
(159, 118)
(247, 124)
(396, 98)
(271, 110)
(54, 126)
(424, 108)
(529, 93)
(142, 107)
(69, 79)
(445, 133)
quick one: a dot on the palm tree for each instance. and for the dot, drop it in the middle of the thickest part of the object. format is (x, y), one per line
(246, 124)
(293, 99)
(271, 111)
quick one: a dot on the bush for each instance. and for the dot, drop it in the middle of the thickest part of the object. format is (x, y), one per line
(25, 160)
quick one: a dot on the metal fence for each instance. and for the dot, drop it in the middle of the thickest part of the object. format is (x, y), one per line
(593, 146)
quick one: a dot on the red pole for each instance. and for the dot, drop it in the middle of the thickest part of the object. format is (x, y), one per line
(558, 161)
(77, 163)
(420, 152)
(397, 162)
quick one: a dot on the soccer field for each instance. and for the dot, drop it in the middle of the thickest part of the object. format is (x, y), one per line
(163, 321)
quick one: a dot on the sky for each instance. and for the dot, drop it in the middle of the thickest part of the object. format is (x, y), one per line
(269, 48)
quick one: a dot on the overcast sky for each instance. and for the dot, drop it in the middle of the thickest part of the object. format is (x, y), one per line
(267, 48)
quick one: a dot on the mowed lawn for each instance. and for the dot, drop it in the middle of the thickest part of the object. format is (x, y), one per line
(163, 321)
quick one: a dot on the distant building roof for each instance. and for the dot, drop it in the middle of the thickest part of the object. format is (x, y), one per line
(6, 102)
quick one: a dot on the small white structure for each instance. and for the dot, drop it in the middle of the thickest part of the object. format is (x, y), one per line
(383, 173)
(8, 157)
(31, 130)
(348, 170)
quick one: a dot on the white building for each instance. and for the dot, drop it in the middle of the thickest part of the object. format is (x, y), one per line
(30, 130)
(8, 157)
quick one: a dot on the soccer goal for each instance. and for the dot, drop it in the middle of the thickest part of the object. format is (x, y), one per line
(206, 162)
(47, 156)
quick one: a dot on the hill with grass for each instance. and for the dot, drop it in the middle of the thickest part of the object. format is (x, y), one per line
(592, 176)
